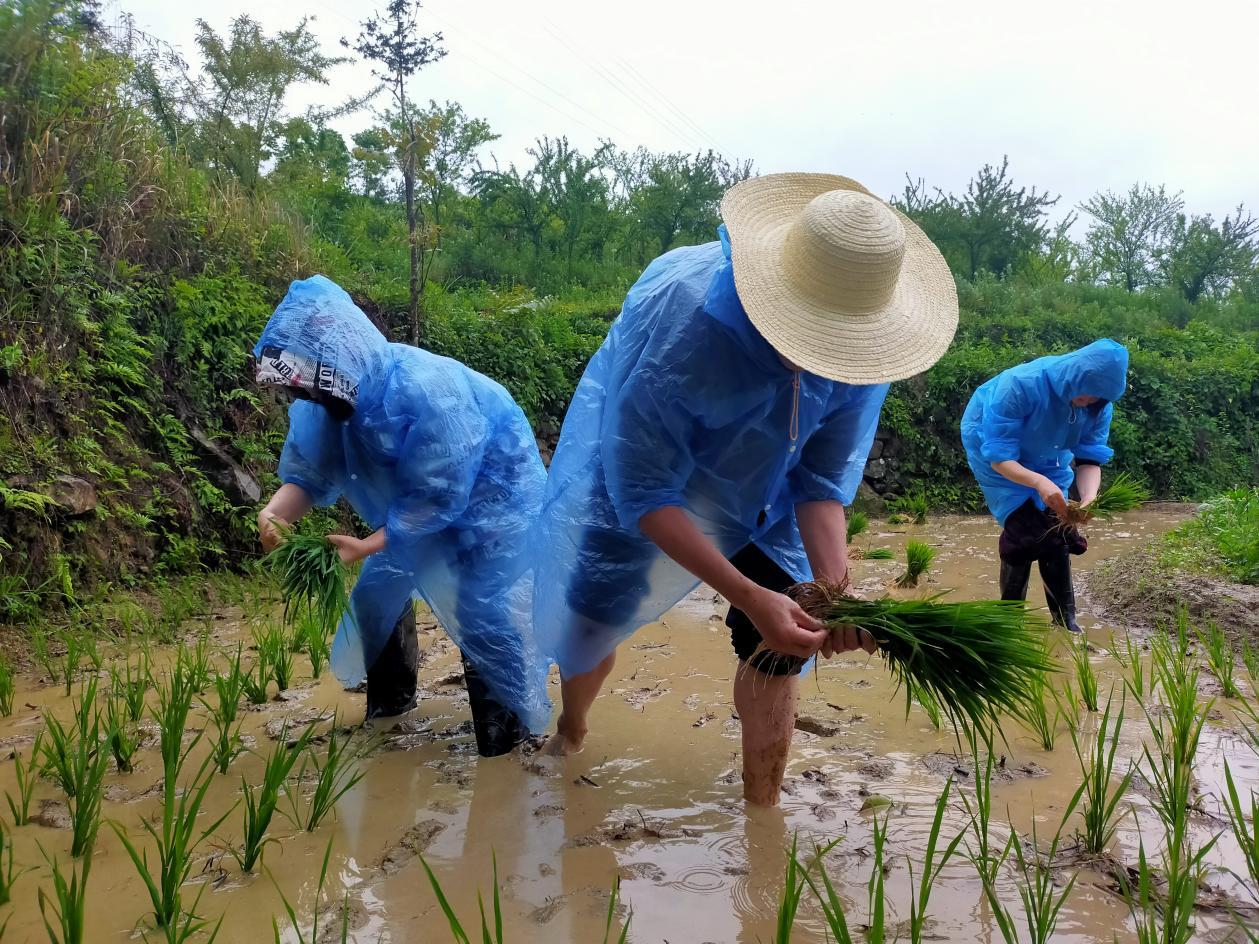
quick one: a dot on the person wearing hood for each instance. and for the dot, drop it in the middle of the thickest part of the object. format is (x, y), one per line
(718, 433)
(442, 465)
(1031, 434)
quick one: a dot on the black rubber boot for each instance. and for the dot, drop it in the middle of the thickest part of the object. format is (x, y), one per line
(391, 681)
(497, 728)
(1014, 579)
(1055, 573)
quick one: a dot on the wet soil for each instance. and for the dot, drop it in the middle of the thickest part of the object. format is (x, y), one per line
(654, 800)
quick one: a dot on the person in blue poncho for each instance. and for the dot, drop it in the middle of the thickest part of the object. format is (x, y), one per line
(441, 463)
(1032, 433)
(718, 433)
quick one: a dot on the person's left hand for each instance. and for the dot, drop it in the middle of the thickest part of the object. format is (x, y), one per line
(848, 639)
(351, 549)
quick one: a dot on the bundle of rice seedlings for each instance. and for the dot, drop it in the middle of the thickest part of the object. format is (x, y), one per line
(1123, 494)
(858, 523)
(878, 553)
(311, 577)
(975, 659)
(918, 558)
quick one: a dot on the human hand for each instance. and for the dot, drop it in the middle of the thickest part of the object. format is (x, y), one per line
(848, 639)
(1052, 496)
(270, 530)
(784, 626)
(351, 549)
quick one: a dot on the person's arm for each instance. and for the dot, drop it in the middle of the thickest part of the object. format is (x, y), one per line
(1088, 480)
(1049, 493)
(285, 509)
(353, 550)
(783, 625)
(824, 531)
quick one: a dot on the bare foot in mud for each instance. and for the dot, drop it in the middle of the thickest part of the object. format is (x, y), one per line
(561, 745)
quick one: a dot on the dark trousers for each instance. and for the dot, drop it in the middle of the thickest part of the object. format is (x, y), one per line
(1031, 536)
(392, 682)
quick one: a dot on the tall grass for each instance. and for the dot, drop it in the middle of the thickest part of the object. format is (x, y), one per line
(41, 652)
(260, 802)
(1097, 766)
(918, 558)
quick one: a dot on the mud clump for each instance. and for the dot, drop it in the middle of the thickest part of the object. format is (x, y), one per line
(817, 726)
(414, 842)
(876, 768)
(631, 830)
(961, 768)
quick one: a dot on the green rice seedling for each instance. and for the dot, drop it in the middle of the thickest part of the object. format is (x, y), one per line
(1221, 658)
(918, 558)
(275, 649)
(912, 508)
(229, 686)
(62, 748)
(71, 658)
(1133, 663)
(832, 908)
(1097, 765)
(119, 734)
(983, 854)
(316, 643)
(261, 801)
(792, 894)
(336, 773)
(876, 898)
(1244, 820)
(315, 922)
(879, 553)
(1124, 493)
(1040, 710)
(176, 836)
(132, 684)
(1085, 677)
(858, 523)
(975, 659)
(68, 921)
(41, 651)
(1162, 903)
(256, 681)
(80, 763)
(1041, 895)
(198, 664)
(25, 775)
(311, 577)
(613, 899)
(9, 873)
(7, 686)
(91, 648)
(920, 897)
(931, 708)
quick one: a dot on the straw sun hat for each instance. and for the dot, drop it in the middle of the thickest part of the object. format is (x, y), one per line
(836, 280)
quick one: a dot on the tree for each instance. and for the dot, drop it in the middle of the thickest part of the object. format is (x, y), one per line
(1203, 258)
(993, 227)
(1128, 234)
(392, 40)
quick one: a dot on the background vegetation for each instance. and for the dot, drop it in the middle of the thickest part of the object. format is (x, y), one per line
(152, 212)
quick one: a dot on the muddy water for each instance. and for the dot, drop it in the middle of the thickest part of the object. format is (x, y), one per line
(654, 799)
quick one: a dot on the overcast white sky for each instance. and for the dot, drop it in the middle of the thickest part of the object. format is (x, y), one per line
(1082, 94)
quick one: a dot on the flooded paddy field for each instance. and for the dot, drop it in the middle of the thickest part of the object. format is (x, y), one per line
(654, 800)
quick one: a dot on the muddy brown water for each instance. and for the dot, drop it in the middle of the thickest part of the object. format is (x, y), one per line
(653, 800)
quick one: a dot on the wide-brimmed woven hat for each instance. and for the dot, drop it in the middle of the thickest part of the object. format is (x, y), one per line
(836, 280)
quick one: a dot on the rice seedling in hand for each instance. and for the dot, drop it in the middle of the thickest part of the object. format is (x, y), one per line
(25, 775)
(176, 837)
(918, 558)
(932, 865)
(1085, 677)
(1124, 493)
(67, 923)
(1041, 895)
(1221, 658)
(315, 922)
(976, 659)
(336, 773)
(7, 686)
(311, 578)
(858, 523)
(1097, 765)
(261, 801)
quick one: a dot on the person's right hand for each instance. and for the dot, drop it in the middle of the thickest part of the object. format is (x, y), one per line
(269, 526)
(1052, 496)
(784, 626)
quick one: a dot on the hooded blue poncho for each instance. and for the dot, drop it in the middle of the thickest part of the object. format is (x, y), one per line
(685, 404)
(439, 456)
(1025, 413)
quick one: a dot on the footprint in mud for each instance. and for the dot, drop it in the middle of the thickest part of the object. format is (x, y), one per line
(292, 724)
(53, 814)
(690, 702)
(959, 767)
(642, 870)
(876, 768)
(414, 842)
(703, 719)
(817, 726)
(631, 830)
(548, 911)
(641, 697)
(451, 773)
(548, 810)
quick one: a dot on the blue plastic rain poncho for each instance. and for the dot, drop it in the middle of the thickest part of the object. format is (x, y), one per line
(685, 404)
(439, 456)
(1025, 413)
